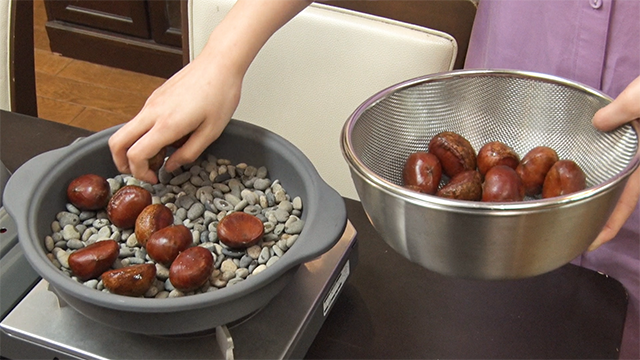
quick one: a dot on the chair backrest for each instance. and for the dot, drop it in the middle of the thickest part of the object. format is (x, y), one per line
(454, 17)
(316, 70)
(17, 72)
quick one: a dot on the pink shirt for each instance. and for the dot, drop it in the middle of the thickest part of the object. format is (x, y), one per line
(595, 42)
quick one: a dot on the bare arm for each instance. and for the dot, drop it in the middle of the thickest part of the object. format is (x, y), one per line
(201, 98)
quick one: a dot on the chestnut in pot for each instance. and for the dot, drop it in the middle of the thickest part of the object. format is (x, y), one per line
(126, 204)
(191, 269)
(156, 162)
(165, 244)
(152, 218)
(422, 171)
(92, 260)
(133, 280)
(89, 192)
(240, 230)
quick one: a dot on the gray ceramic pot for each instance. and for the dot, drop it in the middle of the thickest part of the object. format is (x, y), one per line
(37, 191)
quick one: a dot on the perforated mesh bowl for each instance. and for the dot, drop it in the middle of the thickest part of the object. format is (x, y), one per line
(522, 109)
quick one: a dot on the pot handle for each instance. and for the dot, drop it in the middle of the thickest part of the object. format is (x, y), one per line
(331, 222)
(23, 182)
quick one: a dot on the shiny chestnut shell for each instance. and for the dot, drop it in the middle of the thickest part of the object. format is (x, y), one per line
(165, 244)
(133, 280)
(92, 260)
(496, 153)
(564, 177)
(89, 192)
(422, 171)
(533, 168)
(152, 218)
(454, 152)
(191, 269)
(502, 184)
(467, 185)
(126, 204)
(240, 230)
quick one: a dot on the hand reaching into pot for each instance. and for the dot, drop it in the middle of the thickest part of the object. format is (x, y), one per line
(201, 98)
(625, 108)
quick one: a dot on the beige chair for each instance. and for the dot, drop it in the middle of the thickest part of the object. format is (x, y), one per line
(17, 74)
(314, 72)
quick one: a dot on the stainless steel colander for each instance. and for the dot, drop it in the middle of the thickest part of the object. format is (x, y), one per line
(521, 109)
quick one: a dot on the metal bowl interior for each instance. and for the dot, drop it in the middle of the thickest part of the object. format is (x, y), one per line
(37, 191)
(521, 109)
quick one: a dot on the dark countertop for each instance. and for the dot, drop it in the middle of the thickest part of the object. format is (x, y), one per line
(392, 308)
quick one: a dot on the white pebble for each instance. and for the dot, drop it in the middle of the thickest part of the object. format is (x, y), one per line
(228, 265)
(259, 269)
(62, 257)
(272, 260)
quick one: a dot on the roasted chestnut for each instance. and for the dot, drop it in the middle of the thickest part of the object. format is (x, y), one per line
(422, 171)
(467, 185)
(191, 269)
(152, 218)
(454, 152)
(534, 168)
(496, 153)
(564, 177)
(126, 204)
(133, 280)
(89, 192)
(165, 244)
(240, 230)
(502, 184)
(92, 260)
(156, 162)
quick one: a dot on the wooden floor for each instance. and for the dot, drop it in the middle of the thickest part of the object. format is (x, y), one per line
(83, 94)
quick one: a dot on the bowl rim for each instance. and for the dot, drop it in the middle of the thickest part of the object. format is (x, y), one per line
(477, 207)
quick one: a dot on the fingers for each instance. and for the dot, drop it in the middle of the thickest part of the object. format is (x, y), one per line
(612, 116)
(623, 109)
(146, 147)
(622, 211)
(195, 145)
(121, 141)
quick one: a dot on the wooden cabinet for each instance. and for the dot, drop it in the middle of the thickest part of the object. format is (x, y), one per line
(138, 35)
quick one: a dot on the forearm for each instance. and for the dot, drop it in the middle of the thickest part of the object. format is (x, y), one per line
(246, 28)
